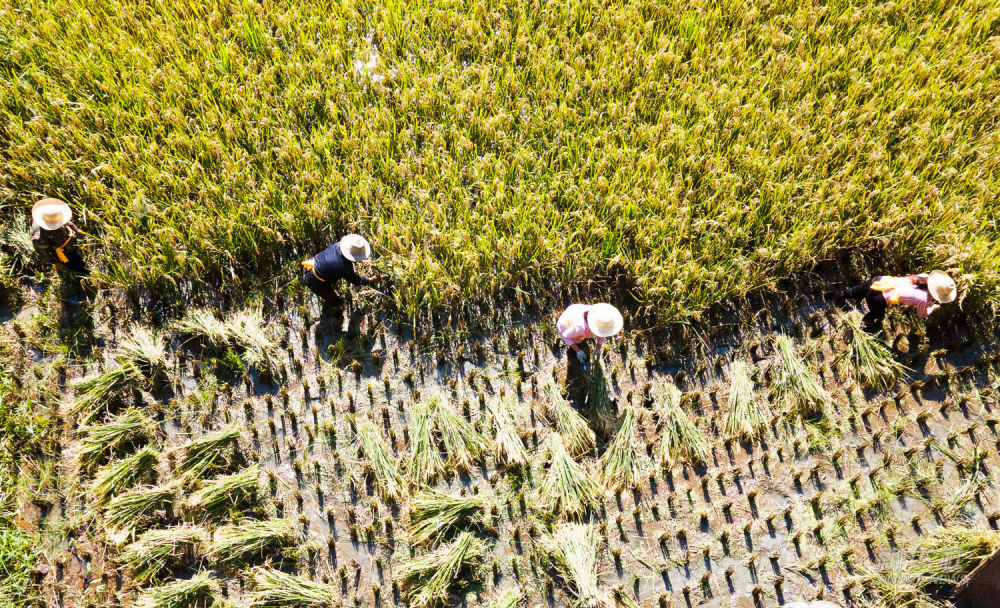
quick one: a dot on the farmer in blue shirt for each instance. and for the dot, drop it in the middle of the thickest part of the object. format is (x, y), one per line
(322, 273)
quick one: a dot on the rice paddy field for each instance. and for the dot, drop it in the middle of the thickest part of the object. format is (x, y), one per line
(199, 432)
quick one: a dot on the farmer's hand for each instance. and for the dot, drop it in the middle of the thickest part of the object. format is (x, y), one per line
(60, 266)
(582, 356)
(375, 279)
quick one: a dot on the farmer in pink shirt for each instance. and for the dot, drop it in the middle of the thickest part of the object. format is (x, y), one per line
(926, 292)
(582, 321)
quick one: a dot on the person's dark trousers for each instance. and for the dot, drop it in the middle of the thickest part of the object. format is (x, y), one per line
(323, 290)
(872, 322)
(75, 263)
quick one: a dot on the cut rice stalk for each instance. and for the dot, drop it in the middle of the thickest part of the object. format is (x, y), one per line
(507, 442)
(227, 495)
(101, 439)
(276, 589)
(576, 433)
(199, 591)
(434, 514)
(427, 581)
(511, 598)
(799, 384)
(158, 552)
(571, 551)
(388, 482)
(140, 507)
(871, 361)
(566, 489)
(680, 439)
(620, 466)
(621, 599)
(462, 443)
(747, 416)
(425, 462)
(123, 474)
(212, 453)
(241, 543)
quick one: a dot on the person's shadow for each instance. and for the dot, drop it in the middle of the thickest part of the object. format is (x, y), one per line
(76, 323)
(577, 378)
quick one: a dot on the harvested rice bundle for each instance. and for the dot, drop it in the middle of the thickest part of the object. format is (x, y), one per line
(427, 581)
(388, 482)
(576, 433)
(97, 441)
(94, 391)
(139, 507)
(871, 361)
(214, 452)
(747, 416)
(276, 589)
(201, 591)
(619, 465)
(799, 384)
(227, 494)
(945, 557)
(244, 331)
(425, 462)
(144, 347)
(571, 551)
(241, 543)
(462, 443)
(434, 514)
(566, 488)
(507, 442)
(159, 552)
(123, 474)
(680, 438)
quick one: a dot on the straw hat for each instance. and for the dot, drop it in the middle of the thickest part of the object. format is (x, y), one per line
(355, 248)
(941, 286)
(51, 213)
(604, 320)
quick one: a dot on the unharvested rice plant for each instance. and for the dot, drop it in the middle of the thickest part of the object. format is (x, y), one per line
(195, 429)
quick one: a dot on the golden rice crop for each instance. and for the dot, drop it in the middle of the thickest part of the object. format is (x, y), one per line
(754, 146)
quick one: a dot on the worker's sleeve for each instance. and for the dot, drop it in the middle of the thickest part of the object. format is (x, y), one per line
(923, 310)
(601, 341)
(921, 279)
(352, 277)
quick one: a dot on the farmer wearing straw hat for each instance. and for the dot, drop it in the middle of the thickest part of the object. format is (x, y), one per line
(926, 292)
(581, 321)
(53, 236)
(322, 273)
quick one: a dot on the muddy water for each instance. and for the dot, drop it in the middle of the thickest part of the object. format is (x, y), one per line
(798, 515)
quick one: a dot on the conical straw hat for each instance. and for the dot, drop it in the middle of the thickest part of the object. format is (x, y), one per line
(51, 213)
(604, 320)
(941, 286)
(355, 248)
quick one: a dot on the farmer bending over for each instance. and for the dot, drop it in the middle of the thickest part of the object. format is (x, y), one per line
(926, 292)
(582, 321)
(53, 236)
(322, 273)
